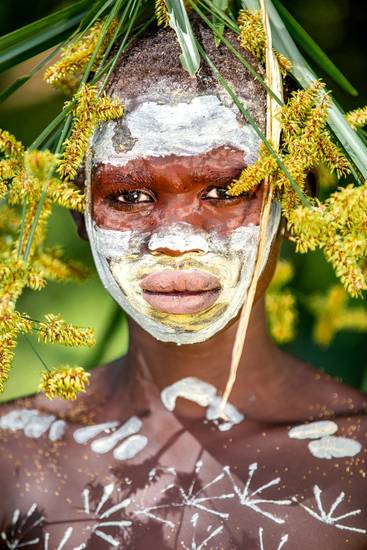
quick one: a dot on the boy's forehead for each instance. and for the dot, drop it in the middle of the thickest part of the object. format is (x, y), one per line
(159, 127)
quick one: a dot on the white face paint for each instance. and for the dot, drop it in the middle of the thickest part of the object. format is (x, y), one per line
(186, 128)
(124, 258)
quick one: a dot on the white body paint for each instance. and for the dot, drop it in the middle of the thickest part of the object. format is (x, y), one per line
(57, 430)
(190, 388)
(282, 543)
(334, 447)
(106, 444)
(332, 517)
(130, 447)
(186, 128)
(205, 395)
(254, 499)
(232, 414)
(83, 435)
(313, 430)
(159, 129)
(326, 445)
(33, 423)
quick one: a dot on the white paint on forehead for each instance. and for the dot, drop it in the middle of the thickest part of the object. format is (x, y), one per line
(334, 447)
(184, 129)
(131, 447)
(313, 430)
(190, 388)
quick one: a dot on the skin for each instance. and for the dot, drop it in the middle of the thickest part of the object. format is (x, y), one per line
(274, 390)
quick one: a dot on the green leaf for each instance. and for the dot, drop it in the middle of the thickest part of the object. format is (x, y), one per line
(19, 82)
(251, 5)
(190, 58)
(40, 35)
(304, 40)
(252, 122)
(353, 146)
(218, 23)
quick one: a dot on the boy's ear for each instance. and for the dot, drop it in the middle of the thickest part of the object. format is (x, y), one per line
(78, 218)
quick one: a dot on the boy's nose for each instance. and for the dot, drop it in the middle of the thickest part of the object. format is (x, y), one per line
(178, 238)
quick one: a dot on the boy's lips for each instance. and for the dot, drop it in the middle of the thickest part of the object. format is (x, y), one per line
(180, 291)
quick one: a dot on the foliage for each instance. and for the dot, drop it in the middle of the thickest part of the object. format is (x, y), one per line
(90, 38)
(280, 304)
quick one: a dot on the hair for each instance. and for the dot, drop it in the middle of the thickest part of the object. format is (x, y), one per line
(152, 65)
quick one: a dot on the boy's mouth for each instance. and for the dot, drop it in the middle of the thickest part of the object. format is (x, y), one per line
(180, 292)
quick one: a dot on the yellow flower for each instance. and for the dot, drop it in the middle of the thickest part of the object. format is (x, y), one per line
(161, 13)
(57, 331)
(65, 382)
(357, 118)
(8, 341)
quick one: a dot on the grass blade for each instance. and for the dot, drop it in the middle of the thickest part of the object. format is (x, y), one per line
(354, 148)
(40, 35)
(218, 23)
(190, 58)
(304, 40)
(251, 121)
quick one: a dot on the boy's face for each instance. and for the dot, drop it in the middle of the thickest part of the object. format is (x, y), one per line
(171, 246)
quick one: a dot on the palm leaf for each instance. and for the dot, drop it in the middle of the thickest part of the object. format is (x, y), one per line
(218, 23)
(190, 58)
(353, 146)
(40, 35)
(304, 40)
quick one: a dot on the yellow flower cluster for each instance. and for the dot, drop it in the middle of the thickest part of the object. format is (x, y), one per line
(66, 73)
(65, 382)
(24, 177)
(57, 331)
(161, 13)
(357, 118)
(338, 227)
(333, 315)
(306, 143)
(252, 38)
(90, 109)
(280, 305)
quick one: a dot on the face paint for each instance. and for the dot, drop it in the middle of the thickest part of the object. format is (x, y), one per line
(184, 129)
(206, 274)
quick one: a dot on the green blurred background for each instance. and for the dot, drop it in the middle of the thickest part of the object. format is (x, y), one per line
(339, 28)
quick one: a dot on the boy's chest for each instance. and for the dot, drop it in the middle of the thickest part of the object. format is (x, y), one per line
(257, 490)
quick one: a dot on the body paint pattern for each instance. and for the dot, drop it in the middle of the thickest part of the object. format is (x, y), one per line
(33, 423)
(255, 499)
(110, 516)
(132, 444)
(330, 517)
(205, 395)
(282, 543)
(325, 445)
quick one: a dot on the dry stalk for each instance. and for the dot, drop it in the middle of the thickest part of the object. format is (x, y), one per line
(274, 82)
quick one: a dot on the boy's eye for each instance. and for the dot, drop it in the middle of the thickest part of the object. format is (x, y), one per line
(134, 197)
(218, 193)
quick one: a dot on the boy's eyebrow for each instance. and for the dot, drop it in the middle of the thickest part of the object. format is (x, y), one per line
(205, 174)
